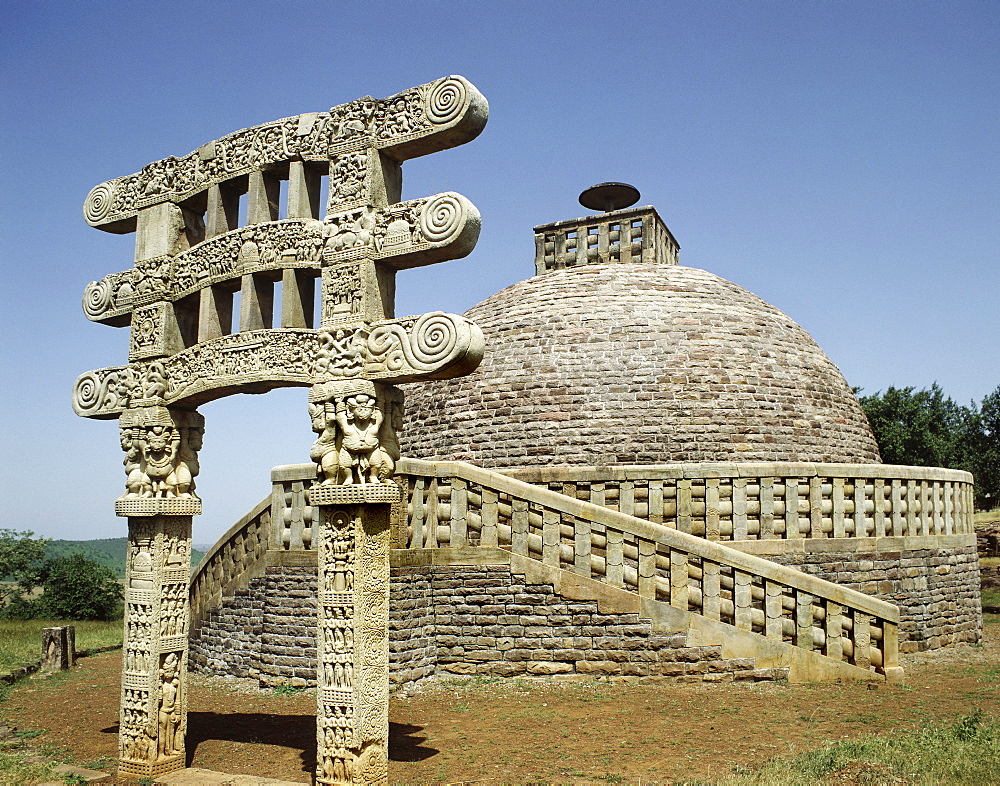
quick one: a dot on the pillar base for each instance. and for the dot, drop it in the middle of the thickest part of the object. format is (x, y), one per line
(150, 769)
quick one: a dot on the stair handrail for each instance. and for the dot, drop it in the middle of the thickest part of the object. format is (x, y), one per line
(229, 560)
(852, 624)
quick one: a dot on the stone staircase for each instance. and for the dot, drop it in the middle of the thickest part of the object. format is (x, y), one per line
(495, 575)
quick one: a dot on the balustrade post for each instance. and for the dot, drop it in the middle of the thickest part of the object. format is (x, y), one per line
(710, 589)
(614, 568)
(458, 536)
(804, 620)
(766, 509)
(742, 600)
(862, 641)
(739, 509)
(791, 508)
(679, 579)
(833, 628)
(773, 627)
(551, 537)
(490, 515)
(712, 514)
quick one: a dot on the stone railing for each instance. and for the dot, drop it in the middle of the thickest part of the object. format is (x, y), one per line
(238, 554)
(456, 505)
(760, 501)
(636, 234)
(649, 529)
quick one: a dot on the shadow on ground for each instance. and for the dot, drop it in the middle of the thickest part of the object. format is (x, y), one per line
(286, 731)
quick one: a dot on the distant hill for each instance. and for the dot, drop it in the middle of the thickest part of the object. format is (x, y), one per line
(105, 551)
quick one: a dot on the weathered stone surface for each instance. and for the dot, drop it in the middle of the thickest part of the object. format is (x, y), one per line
(632, 363)
(936, 589)
(428, 634)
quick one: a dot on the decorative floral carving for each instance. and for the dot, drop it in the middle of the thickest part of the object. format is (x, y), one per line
(99, 296)
(340, 353)
(441, 218)
(278, 244)
(274, 357)
(425, 344)
(147, 332)
(352, 648)
(153, 699)
(415, 113)
(100, 202)
(400, 116)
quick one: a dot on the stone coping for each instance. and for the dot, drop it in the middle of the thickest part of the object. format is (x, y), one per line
(776, 469)
(775, 546)
(155, 506)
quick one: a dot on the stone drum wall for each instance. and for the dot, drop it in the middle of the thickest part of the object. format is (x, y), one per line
(476, 619)
(936, 587)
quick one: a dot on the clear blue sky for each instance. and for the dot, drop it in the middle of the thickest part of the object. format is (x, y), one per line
(838, 159)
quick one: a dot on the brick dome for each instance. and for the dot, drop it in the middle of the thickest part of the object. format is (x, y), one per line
(634, 363)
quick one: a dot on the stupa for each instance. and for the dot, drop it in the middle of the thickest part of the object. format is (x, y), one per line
(652, 472)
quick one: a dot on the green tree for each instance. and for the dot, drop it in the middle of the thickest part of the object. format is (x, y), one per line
(925, 428)
(77, 588)
(919, 428)
(21, 555)
(987, 452)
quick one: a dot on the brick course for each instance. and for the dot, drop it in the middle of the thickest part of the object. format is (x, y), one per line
(637, 364)
(458, 620)
(937, 590)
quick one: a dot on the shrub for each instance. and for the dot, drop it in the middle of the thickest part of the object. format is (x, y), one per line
(77, 588)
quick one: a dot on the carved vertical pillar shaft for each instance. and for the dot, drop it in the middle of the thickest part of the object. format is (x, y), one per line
(352, 643)
(153, 717)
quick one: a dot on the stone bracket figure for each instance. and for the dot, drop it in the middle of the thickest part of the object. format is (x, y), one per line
(161, 461)
(356, 424)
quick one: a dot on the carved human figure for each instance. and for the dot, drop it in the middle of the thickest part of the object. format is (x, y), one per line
(177, 553)
(170, 707)
(385, 457)
(351, 231)
(136, 480)
(159, 454)
(155, 383)
(187, 463)
(325, 450)
(340, 556)
(359, 420)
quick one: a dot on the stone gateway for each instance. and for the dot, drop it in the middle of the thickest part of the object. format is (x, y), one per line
(188, 347)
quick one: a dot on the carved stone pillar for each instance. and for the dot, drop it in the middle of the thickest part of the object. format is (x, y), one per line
(161, 461)
(352, 642)
(153, 717)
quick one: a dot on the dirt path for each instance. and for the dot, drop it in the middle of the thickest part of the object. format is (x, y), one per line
(516, 731)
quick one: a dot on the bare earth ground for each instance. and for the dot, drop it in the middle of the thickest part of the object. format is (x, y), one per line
(515, 731)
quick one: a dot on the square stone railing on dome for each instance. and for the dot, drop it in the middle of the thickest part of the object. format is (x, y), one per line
(636, 234)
